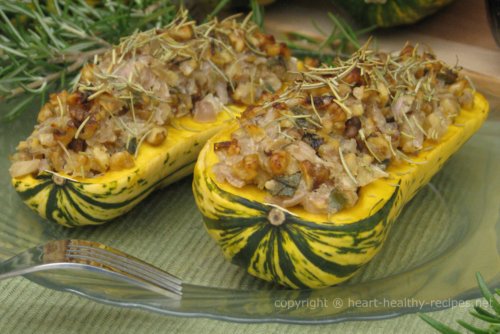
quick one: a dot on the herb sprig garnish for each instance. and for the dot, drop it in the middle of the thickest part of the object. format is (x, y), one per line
(257, 13)
(492, 319)
(341, 41)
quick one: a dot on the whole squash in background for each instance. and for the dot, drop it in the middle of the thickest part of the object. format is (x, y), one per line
(389, 13)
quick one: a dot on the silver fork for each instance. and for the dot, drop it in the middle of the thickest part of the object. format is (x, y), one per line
(94, 256)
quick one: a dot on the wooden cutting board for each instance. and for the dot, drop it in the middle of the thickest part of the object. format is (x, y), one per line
(459, 32)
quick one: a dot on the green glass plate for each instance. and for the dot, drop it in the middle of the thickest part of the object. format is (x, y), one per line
(446, 234)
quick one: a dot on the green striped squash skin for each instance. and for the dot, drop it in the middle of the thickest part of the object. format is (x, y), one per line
(268, 251)
(315, 251)
(96, 201)
(392, 12)
(74, 204)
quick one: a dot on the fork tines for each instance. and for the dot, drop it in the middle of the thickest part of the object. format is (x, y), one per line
(96, 254)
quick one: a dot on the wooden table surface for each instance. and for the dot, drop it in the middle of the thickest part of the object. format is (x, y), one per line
(459, 32)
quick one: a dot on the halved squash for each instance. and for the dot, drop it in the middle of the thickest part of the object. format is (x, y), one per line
(156, 92)
(306, 250)
(91, 201)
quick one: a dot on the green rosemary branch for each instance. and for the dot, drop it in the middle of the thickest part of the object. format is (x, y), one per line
(341, 41)
(257, 13)
(492, 319)
(220, 6)
(44, 44)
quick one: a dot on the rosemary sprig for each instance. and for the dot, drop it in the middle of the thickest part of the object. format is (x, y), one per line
(220, 6)
(492, 319)
(340, 42)
(44, 44)
(257, 13)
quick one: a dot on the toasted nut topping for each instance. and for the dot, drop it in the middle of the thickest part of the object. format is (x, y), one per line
(121, 160)
(278, 162)
(156, 136)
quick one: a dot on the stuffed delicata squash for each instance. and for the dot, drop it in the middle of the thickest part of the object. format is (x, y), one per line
(304, 189)
(139, 115)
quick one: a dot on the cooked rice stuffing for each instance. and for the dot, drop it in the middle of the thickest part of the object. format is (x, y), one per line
(336, 130)
(129, 95)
